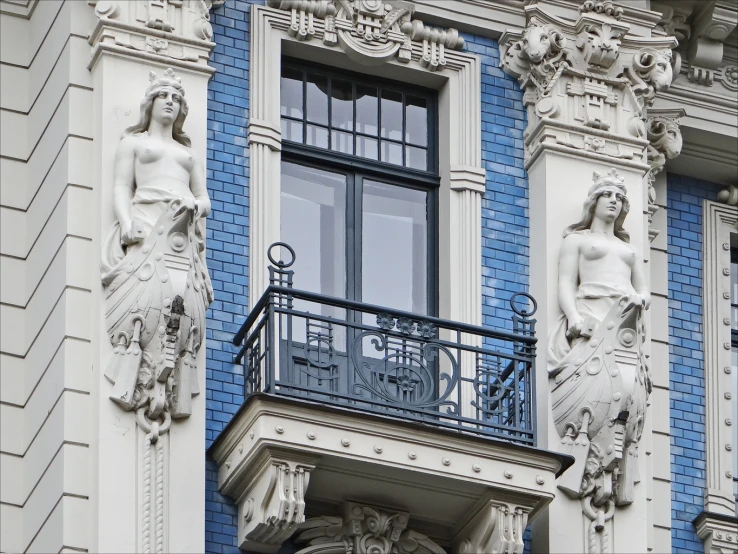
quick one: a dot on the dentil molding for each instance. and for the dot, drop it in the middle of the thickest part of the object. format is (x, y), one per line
(173, 32)
(587, 82)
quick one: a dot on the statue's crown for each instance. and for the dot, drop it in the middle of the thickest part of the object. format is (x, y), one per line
(611, 178)
(168, 79)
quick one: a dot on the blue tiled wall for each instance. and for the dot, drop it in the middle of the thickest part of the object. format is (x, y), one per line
(505, 205)
(504, 221)
(686, 359)
(228, 232)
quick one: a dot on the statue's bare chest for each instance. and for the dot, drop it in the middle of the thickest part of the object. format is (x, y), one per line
(154, 152)
(602, 249)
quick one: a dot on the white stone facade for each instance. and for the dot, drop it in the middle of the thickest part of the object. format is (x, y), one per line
(630, 91)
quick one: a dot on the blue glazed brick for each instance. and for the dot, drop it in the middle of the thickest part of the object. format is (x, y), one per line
(686, 368)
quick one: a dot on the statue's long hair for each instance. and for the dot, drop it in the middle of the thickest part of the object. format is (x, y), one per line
(588, 209)
(142, 125)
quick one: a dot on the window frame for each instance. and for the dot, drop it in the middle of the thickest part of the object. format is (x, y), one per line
(357, 169)
(430, 176)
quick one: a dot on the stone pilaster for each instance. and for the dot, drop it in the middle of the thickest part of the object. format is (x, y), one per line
(589, 78)
(149, 480)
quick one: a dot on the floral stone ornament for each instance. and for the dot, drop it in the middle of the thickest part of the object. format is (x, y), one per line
(153, 262)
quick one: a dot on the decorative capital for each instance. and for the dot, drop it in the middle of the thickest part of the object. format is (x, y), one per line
(371, 32)
(589, 82)
(363, 529)
(175, 32)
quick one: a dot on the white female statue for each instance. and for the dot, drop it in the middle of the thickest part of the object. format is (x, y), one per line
(153, 261)
(600, 380)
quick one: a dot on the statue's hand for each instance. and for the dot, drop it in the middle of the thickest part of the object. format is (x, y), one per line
(643, 301)
(575, 326)
(132, 232)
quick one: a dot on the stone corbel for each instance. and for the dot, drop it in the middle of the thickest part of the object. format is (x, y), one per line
(729, 195)
(665, 143)
(497, 527)
(718, 532)
(363, 529)
(272, 504)
(712, 25)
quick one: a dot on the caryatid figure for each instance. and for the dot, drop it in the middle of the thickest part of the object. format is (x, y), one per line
(153, 262)
(600, 381)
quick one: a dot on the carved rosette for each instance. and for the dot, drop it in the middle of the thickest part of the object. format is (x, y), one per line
(587, 84)
(371, 32)
(363, 529)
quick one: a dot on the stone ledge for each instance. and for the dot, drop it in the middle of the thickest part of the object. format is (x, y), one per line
(443, 478)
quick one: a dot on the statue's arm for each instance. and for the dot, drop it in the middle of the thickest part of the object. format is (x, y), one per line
(569, 281)
(199, 188)
(123, 185)
(638, 278)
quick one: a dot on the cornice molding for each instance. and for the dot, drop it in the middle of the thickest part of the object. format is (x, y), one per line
(18, 8)
(718, 532)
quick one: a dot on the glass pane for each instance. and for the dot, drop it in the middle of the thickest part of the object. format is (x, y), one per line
(366, 147)
(317, 136)
(416, 126)
(366, 109)
(291, 92)
(734, 375)
(392, 114)
(313, 222)
(391, 152)
(291, 130)
(317, 98)
(342, 142)
(342, 105)
(416, 158)
(734, 293)
(394, 247)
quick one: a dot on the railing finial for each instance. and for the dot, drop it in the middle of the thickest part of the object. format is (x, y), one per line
(278, 272)
(522, 320)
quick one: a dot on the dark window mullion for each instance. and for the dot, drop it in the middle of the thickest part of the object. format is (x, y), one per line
(304, 106)
(329, 99)
(359, 233)
(403, 136)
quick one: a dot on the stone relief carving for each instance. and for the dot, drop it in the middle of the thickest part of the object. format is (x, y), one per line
(729, 195)
(589, 79)
(153, 268)
(363, 530)
(665, 143)
(174, 30)
(371, 32)
(600, 379)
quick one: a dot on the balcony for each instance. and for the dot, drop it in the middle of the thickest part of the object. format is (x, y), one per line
(347, 401)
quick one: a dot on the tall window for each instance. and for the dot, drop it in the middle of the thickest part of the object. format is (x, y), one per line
(358, 186)
(734, 353)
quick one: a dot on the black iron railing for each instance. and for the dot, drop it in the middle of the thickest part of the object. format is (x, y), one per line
(398, 364)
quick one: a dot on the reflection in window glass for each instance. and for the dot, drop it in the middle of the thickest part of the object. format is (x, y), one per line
(342, 142)
(391, 152)
(366, 147)
(317, 98)
(291, 93)
(391, 115)
(394, 247)
(416, 117)
(416, 158)
(342, 105)
(316, 136)
(366, 110)
(291, 130)
(313, 222)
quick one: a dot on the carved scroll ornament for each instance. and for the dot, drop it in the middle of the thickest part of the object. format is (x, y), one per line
(363, 530)
(153, 263)
(600, 379)
(371, 32)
